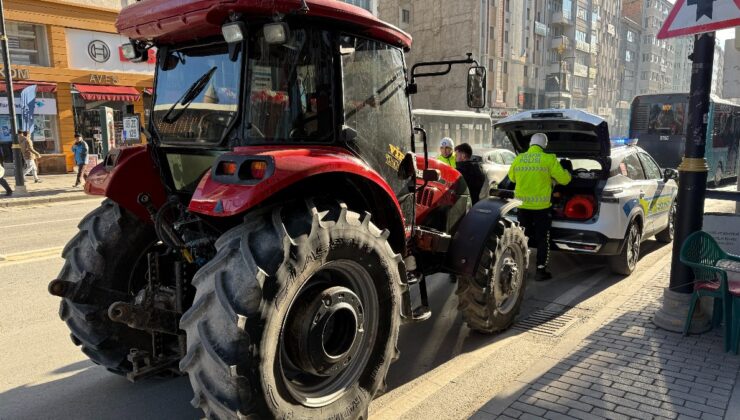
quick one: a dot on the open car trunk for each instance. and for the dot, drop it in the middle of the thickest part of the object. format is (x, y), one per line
(581, 141)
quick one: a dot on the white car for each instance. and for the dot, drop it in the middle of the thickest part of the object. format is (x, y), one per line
(496, 164)
(618, 196)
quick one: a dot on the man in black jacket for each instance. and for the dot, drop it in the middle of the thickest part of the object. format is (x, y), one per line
(471, 170)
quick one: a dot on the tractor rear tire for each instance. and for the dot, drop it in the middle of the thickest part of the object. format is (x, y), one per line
(490, 300)
(257, 337)
(109, 244)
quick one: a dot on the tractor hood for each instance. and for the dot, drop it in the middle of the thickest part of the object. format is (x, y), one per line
(571, 133)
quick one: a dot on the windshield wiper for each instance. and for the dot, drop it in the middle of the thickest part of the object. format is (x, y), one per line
(189, 96)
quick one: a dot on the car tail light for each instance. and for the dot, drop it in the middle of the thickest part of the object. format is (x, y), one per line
(226, 168)
(580, 207)
(257, 169)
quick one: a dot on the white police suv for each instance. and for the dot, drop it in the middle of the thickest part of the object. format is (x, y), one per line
(618, 196)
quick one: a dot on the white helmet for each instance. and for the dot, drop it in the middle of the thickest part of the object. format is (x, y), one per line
(539, 139)
(447, 142)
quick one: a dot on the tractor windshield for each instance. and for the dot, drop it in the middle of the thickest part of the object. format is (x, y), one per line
(197, 94)
(290, 88)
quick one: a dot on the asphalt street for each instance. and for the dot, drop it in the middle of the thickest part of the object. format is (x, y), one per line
(43, 375)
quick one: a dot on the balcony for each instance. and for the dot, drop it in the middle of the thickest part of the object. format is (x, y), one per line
(560, 42)
(559, 18)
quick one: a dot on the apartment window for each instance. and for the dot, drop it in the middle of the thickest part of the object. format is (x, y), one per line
(526, 71)
(527, 13)
(629, 56)
(507, 5)
(506, 67)
(506, 36)
(27, 44)
(630, 36)
(526, 42)
(580, 36)
(644, 75)
(405, 16)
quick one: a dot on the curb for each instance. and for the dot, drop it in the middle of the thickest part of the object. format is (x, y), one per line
(26, 201)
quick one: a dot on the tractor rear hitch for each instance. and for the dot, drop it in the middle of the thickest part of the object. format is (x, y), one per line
(148, 319)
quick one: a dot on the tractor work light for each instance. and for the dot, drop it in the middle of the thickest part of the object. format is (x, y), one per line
(129, 51)
(233, 32)
(276, 33)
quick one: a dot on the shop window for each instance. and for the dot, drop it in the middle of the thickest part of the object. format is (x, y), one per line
(27, 43)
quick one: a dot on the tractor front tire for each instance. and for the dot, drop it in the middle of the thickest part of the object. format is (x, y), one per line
(491, 299)
(110, 243)
(297, 316)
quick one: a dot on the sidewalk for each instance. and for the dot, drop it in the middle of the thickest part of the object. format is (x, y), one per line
(628, 368)
(53, 188)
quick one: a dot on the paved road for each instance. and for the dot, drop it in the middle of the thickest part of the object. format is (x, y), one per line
(43, 375)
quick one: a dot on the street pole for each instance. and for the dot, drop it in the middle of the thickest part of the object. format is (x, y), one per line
(19, 182)
(692, 183)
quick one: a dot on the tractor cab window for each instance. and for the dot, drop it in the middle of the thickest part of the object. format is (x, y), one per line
(196, 95)
(290, 89)
(376, 107)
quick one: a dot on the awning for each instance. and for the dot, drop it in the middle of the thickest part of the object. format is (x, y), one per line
(40, 86)
(149, 91)
(108, 93)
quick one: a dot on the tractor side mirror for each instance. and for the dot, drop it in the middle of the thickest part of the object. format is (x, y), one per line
(477, 87)
(669, 173)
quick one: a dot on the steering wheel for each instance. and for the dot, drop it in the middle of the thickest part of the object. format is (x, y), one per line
(581, 171)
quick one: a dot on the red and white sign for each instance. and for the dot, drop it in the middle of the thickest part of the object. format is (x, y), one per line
(696, 16)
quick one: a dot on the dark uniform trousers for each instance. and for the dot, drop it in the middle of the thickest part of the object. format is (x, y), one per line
(536, 224)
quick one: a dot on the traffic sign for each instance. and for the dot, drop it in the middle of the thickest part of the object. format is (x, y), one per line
(131, 128)
(696, 16)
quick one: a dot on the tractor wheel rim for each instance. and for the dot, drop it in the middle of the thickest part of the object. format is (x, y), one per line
(507, 285)
(329, 333)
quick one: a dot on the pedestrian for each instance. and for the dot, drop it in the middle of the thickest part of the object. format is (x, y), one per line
(29, 155)
(82, 156)
(533, 173)
(446, 154)
(471, 169)
(3, 181)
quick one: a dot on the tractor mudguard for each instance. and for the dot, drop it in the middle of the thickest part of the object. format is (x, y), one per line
(473, 232)
(224, 196)
(126, 173)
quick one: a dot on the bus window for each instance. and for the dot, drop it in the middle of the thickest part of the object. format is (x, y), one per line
(666, 118)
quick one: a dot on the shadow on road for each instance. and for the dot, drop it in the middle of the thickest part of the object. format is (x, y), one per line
(91, 392)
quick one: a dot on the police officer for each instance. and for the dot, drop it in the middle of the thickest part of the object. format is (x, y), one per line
(445, 152)
(533, 173)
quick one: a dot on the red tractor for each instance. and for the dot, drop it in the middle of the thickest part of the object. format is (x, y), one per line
(275, 232)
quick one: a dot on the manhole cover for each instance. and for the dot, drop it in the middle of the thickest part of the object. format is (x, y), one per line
(547, 322)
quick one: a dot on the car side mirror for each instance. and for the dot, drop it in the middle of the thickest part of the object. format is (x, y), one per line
(670, 173)
(477, 87)
(431, 175)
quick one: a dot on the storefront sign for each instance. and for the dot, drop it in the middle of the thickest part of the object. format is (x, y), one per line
(103, 79)
(580, 70)
(19, 74)
(44, 106)
(131, 128)
(583, 46)
(502, 112)
(100, 51)
(540, 28)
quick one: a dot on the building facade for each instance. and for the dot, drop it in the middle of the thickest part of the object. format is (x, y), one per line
(69, 53)
(718, 70)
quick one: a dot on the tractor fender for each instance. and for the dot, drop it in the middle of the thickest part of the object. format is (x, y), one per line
(126, 173)
(474, 230)
(219, 197)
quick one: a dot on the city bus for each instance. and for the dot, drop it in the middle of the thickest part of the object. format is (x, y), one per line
(474, 128)
(660, 122)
